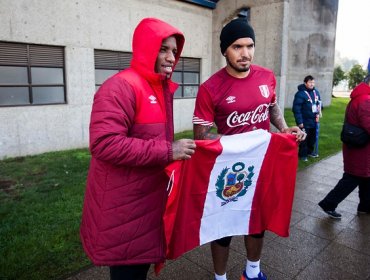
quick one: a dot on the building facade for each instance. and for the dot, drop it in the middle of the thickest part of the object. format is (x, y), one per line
(55, 54)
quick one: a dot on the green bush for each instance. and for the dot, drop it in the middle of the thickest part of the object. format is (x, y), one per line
(355, 76)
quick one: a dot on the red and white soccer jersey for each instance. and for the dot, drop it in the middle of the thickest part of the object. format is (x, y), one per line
(236, 105)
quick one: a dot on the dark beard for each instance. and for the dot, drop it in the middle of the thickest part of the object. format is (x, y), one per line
(236, 68)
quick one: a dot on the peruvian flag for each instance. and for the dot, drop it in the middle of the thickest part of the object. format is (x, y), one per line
(235, 185)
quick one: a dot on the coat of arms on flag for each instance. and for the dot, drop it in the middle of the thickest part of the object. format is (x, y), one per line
(237, 182)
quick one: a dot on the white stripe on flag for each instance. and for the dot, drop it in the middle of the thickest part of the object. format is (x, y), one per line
(229, 216)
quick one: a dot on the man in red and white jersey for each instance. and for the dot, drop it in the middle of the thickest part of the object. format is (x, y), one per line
(238, 98)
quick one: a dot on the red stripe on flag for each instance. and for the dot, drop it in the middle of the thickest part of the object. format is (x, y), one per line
(182, 227)
(273, 198)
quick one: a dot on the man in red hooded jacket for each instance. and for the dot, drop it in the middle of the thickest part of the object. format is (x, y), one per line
(356, 160)
(131, 141)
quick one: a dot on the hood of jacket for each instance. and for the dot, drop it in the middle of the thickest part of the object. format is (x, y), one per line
(146, 43)
(361, 89)
(302, 87)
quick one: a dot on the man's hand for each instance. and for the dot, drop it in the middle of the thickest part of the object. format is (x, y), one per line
(300, 135)
(183, 149)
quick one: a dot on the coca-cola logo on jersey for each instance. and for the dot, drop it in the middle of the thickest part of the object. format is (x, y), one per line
(257, 116)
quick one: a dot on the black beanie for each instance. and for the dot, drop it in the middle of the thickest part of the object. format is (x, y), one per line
(234, 30)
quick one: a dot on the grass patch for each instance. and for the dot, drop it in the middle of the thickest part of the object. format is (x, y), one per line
(184, 134)
(40, 211)
(41, 201)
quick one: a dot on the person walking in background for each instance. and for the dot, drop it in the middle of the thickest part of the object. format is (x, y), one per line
(238, 98)
(307, 109)
(356, 159)
(131, 142)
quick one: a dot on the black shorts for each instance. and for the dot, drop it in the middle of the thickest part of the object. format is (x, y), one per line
(225, 241)
(129, 272)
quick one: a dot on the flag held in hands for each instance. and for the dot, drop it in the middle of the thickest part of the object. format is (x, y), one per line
(235, 185)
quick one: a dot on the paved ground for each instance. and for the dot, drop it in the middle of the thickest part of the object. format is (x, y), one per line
(318, 247)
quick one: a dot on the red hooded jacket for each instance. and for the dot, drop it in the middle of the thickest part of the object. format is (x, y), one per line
(131, 134)
(357, 160)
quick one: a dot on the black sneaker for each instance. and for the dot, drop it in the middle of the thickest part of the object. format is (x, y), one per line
(331, 213)
(313, 155)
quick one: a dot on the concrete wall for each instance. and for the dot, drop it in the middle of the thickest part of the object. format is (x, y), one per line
(268, 20)
(311, 46)
(294, 38)
(82, 26)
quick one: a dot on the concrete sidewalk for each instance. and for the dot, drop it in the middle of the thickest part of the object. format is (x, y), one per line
(318, 247)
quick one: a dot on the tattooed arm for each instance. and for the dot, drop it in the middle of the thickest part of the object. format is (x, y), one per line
(277, 119)
(203, 132)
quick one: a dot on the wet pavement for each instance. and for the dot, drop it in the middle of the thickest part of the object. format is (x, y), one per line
(318, 247)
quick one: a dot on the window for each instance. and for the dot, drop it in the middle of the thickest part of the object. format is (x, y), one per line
(31, 74)
(108, 63)
(187, 74)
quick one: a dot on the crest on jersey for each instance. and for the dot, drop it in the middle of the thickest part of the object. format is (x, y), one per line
(264, 89)
(231, 99)
(236, 183)
(152, 99)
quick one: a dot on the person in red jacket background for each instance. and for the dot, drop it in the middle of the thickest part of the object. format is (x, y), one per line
(131, 141)
(356, 160)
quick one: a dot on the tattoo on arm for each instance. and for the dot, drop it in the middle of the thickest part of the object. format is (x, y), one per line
(277, 118)
(203, 132)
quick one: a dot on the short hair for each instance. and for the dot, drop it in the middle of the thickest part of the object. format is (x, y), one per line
(308, 78)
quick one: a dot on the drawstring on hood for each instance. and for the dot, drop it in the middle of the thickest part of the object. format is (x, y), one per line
(302, 87)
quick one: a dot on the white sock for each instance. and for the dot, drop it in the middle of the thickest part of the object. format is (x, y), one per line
(252, 268)
(220, 277)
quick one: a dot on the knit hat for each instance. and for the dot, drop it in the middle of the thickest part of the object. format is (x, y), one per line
(234, 30)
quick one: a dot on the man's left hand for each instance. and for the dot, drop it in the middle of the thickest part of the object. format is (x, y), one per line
(300, 135)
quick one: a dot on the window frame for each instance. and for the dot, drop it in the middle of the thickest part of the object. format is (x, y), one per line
(188, 65)
(29, 56)
(110, 60)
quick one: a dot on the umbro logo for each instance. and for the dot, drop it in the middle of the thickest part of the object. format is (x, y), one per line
(152, 99)
(231, 99)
